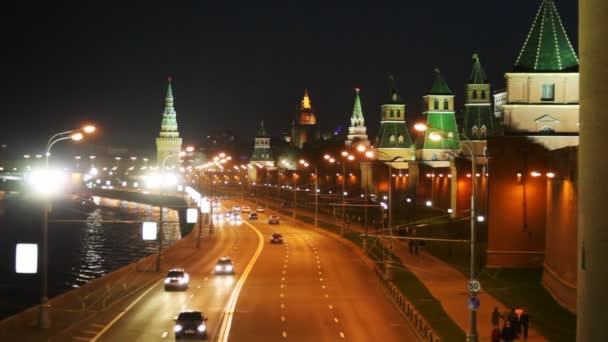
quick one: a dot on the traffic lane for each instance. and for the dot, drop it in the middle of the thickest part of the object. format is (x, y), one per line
(152, 318)
(358, 300)
(282, 297)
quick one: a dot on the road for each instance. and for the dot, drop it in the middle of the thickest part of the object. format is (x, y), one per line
(313, 287)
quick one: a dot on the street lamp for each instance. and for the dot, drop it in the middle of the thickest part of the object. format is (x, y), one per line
(436, 136)
(346, 157)
(44, 321)
(160, 220)
(316, 218)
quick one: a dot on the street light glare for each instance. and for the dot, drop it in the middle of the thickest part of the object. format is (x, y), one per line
(420, 127)
(369, 154)
(435, 136)
(351, 157)
(88, 129)
(361, 148)
(189, 148)
(76, 136)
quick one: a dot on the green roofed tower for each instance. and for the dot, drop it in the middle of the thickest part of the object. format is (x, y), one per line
(357, 132)
(261, 150)
(547, 47)
(393, 133)
(168, 141)
(478, 116)
(440, 121)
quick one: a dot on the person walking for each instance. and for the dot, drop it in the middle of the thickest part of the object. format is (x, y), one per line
(525, 322)
(495, 334)
(495, 317)
(507, 332)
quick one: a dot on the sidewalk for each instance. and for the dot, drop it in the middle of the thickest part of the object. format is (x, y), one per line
(446, 284)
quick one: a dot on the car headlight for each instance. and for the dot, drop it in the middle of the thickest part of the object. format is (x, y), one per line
(167, 280)
(182, 280)
(229, 268)
(201, 328)
(177, 328)
(218, 268)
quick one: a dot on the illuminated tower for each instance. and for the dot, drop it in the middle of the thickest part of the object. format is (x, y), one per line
(393, 138)
(168, 141)
(305, 129)
(261, 157)
(542, 90)
(357, 132)
(478, 116)
(440, 120)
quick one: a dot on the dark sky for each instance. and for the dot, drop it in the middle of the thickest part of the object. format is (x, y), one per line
(236, 63)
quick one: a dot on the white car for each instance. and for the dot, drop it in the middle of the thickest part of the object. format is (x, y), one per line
(236, 208)
(177, 278)
(224, 266)
(246, 209)
(260, 210)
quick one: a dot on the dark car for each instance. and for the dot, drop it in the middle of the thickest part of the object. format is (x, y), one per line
(273, 219)
(177, 278)
(253, 216)
(224, 266)
(276, 238)
(190, 323)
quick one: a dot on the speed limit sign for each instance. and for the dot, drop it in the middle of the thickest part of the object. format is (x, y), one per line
(474, 286)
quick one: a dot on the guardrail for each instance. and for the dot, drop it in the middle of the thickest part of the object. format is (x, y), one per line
(407, 309)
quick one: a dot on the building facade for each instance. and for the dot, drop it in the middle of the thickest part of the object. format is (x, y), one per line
(305, 129)
(261, 157)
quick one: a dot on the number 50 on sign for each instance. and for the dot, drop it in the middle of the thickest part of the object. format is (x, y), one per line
(474, 286)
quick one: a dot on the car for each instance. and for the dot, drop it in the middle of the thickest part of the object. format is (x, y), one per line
(276, 238)
(273, 219)
(176, 278)
(224, 266)
(253, 216)
(190, 323)
(260, 210)
(228, 215)
(246, 209)
(236, 208)
(235, 217)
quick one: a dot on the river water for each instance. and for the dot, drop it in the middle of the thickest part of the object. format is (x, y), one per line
(78, 252)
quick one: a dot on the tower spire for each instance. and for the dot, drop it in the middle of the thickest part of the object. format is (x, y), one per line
(478, 76)
(306, 100)
(168, 140)
(357, 130)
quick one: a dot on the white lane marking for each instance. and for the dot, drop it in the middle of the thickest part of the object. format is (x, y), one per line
(282, 306)
(89, 331)
(282, 295)
(234, 297)
(284, 272)
(109, 325)
(282, 318)
(284, 334)
(164, 334)
(326, 295)
(331, 307)
(336, 319)
(341, 334)
(282, 285)
(283, 279)
(322, 286)
(320, 272)
(320, 279)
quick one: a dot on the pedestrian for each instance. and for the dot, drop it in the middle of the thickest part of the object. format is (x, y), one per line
(525, 322)
(514, 320)
(496, 334)
(495, 317)
(507, 332)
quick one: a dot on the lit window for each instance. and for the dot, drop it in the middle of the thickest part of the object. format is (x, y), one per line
(400, 139)
(483, 131)
(392, 138)
(450, 135)
(474, 130)
(547, 92)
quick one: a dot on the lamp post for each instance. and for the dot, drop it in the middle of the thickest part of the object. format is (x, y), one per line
(346, 156)
(44, 320)
(316, 216)
(162, 178)
(472, 335)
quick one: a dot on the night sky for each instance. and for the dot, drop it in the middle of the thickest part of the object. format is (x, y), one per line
(236, 64)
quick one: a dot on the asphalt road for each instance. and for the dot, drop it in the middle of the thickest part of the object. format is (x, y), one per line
(311, 288)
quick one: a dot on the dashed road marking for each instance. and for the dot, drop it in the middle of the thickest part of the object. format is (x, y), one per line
(282, 306)
(284, 334)
(282, 318)
(336, 319)
(326, 295)
(331, 307)
(282, 295)
(320, 279)
(341, 334)
(164, 334)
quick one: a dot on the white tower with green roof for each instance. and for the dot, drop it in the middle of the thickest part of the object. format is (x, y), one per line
(261, 157)
(357, 132)
(543, 88)
(479, 122)
(393, 139)
(441, 122)
(168, 141)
